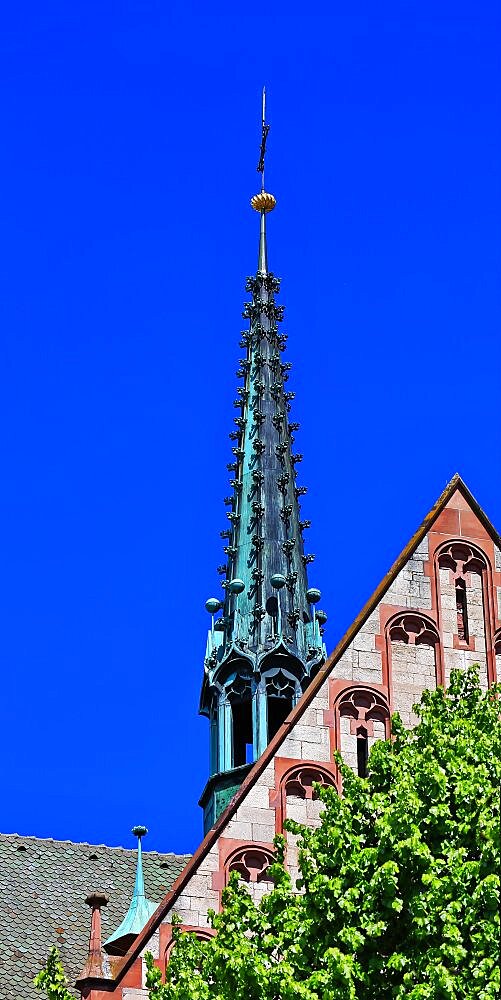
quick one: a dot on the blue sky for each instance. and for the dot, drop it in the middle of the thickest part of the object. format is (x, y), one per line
(130, 134)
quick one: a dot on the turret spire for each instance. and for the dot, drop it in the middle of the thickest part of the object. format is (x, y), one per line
(266, 646)
(140, 908)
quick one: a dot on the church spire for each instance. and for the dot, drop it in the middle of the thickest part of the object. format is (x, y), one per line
(264, 649)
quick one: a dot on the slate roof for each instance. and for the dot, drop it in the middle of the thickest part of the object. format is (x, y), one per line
(43, 885)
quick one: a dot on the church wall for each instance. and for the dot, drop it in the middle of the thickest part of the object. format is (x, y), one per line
(199, 895)
(412, 586)
(310, 737)
(361, 661)
(408, 642)
(397, 668)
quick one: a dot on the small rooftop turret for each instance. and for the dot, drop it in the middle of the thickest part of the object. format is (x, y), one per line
(140, 908)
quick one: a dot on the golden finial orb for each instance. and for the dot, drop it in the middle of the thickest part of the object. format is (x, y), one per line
(263, 202)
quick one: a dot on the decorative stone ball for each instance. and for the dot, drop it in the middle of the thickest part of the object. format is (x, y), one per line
(139, 831)
(213, 605)
(278, 581)
(236, 586)
(313, 595)
(321, 617)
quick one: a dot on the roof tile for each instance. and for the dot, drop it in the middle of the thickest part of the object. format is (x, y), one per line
(43, 889)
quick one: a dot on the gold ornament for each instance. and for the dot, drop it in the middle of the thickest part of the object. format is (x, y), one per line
(263, 202)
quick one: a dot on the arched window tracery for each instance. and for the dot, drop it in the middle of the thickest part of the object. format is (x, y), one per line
(282, 692)
(201, 933)
(362, 705)
(413, 629)
(301, 781)
(252, 864)
(364, 717)
(461, 557)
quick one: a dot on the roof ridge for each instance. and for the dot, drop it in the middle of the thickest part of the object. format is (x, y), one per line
(84, 843)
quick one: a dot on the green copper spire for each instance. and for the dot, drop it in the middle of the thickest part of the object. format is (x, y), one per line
(262, 265)
(264, 649)
(139, 911)
(264, 202)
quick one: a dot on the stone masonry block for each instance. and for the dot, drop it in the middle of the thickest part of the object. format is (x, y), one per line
(370, 661)
(370, 676)
(308, 734)
(263, 832)
(199, 886)
(309, 717)
(267, 778)
(291, 748)
(321, 699)
(422, 549)
(239, 829)
(364, 642)
(317, 752)
(254, 815)
(211, 861)
(257, 798)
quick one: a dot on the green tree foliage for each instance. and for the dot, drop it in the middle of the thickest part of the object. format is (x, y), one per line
(399, 884)
(52, 980)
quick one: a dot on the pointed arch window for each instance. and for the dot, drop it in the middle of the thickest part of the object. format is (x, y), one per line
(464, 583)
(414, 658)
(297, 794)
(239, 696)
(301, 781)
(465, 562)
(282, 691)
(363, 717)
(201, 933)
(362, 751)
(461, 611)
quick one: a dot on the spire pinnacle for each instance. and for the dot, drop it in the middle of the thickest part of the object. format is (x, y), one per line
(96, 965)
(263, 202)
(139, 832)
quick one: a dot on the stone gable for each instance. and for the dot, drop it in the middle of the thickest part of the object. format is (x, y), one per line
(438, 608)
